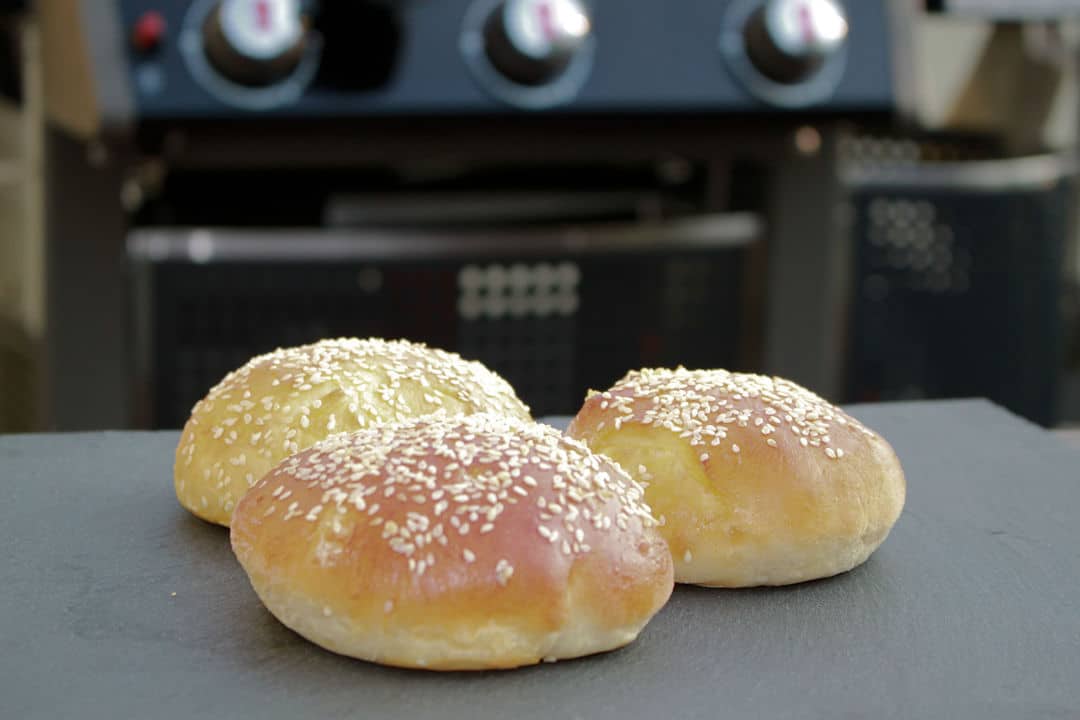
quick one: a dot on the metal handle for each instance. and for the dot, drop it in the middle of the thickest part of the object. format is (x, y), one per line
(1023, 174)
(204, 245)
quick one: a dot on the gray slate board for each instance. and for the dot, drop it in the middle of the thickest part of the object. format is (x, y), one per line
(971, 609)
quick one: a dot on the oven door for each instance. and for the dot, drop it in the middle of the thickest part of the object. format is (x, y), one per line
(556, 309)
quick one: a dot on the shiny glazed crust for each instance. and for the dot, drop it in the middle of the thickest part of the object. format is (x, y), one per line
(755, 480)
(289, 399)
(454, 543)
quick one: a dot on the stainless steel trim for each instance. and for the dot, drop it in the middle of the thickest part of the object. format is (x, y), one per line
(1012, 10)
(205, 245)
(1031, 173)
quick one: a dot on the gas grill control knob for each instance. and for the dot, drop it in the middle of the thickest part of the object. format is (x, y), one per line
(789, 40)
(532, 41)
(255, 42)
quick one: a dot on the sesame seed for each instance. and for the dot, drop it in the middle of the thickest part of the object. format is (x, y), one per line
(503, 571)
(342, 365)
(420, 460)
(699, 405)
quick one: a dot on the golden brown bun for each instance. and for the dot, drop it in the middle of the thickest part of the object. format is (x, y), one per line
(755, 480)
(454, 543)
(289, 399)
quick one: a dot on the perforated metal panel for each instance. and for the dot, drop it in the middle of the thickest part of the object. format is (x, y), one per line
(910, 245)
(554, 327)
(958, 277)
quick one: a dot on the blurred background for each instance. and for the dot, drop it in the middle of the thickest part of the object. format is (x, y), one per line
(875, 198)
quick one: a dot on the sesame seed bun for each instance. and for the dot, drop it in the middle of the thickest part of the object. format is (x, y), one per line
(755, 480)
(454, 543)
(287, 400)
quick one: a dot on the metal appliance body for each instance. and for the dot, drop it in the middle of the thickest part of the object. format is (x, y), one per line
(653, 199)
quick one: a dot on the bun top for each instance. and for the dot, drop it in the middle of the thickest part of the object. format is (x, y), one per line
(457, 522)
(719, 409)
(757, 479)
(286, 400)
(470, 486)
